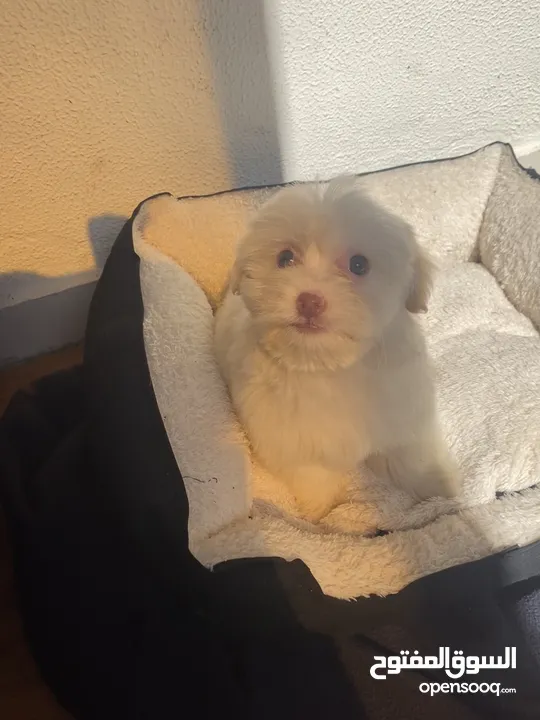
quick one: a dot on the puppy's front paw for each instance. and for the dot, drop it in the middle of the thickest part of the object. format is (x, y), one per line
(313, 509)
(437, 481)
(440, 477)
(317, 491)
(424, 471)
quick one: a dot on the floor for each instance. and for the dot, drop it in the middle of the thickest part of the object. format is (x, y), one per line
(23, 695)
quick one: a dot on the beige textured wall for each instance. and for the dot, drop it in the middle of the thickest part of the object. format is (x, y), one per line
(101, 104)
(104, 102)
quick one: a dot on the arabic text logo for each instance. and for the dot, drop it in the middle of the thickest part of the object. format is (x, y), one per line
(455, 664)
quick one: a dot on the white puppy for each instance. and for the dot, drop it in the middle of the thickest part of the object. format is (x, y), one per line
(326, 366)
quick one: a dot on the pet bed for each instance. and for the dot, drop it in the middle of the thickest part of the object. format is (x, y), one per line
(288, 616)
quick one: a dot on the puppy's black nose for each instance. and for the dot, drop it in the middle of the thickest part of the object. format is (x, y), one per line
(310, 305)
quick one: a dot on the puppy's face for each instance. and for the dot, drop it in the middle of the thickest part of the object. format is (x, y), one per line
(324, 273)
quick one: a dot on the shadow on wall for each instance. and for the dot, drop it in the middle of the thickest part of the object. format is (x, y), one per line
(54, 309)
(102, 232)
(39, 313)
(46, 323)
(236, 35)
(19, 287)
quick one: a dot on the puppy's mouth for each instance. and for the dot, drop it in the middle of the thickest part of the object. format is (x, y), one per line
(308, 327)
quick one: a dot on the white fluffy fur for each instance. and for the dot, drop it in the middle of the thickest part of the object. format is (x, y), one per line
(487, 370)
(353, 385)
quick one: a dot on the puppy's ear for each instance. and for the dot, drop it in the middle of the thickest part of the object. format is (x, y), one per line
(422, 280)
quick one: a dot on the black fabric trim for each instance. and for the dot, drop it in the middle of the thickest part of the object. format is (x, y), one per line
(254, 188)
(531, 172)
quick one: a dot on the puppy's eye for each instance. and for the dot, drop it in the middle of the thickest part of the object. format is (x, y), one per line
(285, 258)
(359, 265)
